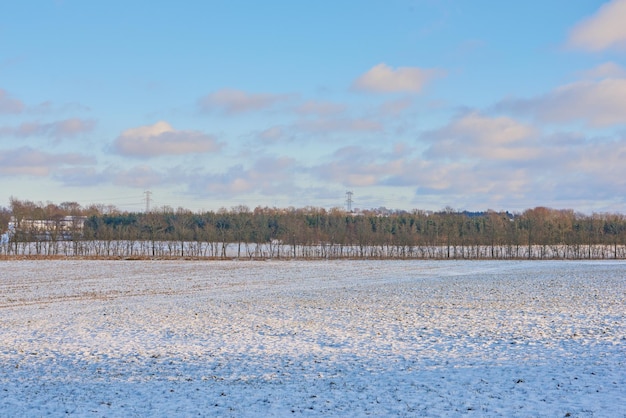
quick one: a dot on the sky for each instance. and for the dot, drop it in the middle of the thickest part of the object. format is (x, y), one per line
(408, 104)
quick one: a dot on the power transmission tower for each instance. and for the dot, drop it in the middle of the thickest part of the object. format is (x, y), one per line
(349, 201)
(148, 193)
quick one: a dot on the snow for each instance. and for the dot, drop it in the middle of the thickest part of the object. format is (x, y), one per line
(312, 338)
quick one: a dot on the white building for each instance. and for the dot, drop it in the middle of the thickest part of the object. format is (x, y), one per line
(62, 228)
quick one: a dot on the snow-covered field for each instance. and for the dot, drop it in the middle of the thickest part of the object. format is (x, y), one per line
(284, 338)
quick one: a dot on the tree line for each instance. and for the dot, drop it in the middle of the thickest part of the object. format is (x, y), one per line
(311, 232)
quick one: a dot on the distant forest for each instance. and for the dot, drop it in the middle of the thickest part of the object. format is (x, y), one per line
(310, 232)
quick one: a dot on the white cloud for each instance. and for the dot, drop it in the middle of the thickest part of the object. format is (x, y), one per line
(606, 29)
(162, 139)
(384, 79)
(597, 103)
(231, 101)
(9, 104)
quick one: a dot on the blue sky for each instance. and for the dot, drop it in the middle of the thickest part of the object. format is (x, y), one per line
(417, 104)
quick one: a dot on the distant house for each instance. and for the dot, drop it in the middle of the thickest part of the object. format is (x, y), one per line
(63, 228)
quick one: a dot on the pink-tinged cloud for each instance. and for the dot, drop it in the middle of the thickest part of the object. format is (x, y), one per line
(59, 129)
(48, 107)
(481, 137)
(487, 162)
(596, 103)
(32, 162)
(356, 166)
(267, 176)
(272, 134)
(231, 101)
(601, 159)
(9, 104)
(385, 79)
(606, 29)
(82, 176)
(320, 108)
(162, 139)
(604, 70)
(395, 107)
(71, 127)
(324, 126)
(337, 125)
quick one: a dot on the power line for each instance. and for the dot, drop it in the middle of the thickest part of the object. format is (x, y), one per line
(104, 198)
